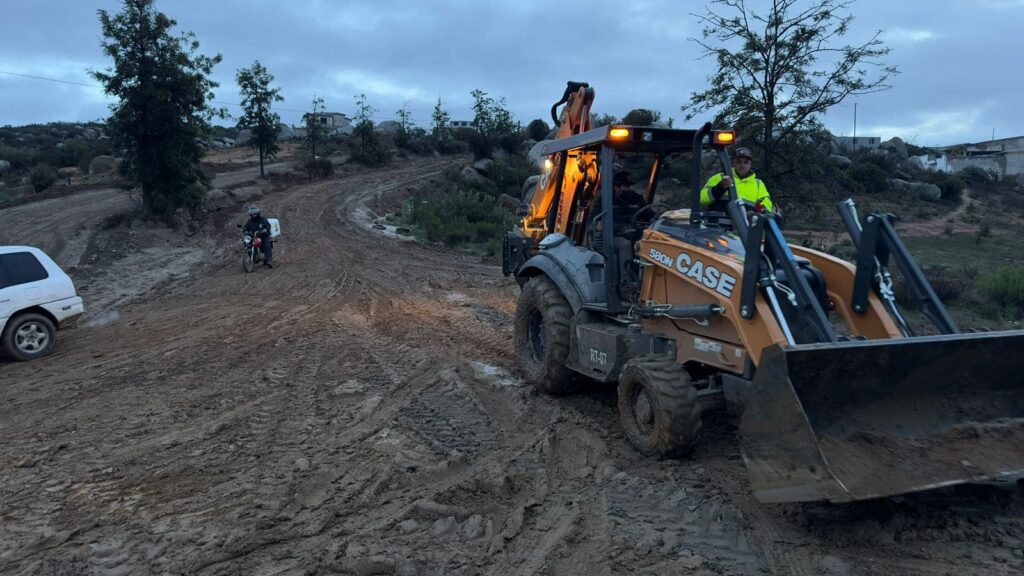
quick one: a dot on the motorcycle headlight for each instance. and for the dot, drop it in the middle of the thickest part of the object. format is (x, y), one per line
(248, 239)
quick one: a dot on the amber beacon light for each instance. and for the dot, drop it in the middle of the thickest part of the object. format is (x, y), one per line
(724, 137)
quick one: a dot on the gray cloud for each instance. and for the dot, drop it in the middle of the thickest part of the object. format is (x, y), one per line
(957, 81)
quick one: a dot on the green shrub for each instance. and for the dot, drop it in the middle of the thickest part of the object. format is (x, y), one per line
(537, 130)
(42, 177)
(949, 285)
(367, 147)
(1005, 292)
(641, 117)
(510, 173)
(480, 146)
(974, 175)
(318, 167)
(869, 176)
(950, 185)
(460, 217)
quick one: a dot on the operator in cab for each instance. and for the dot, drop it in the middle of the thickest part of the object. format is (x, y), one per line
(715, 193)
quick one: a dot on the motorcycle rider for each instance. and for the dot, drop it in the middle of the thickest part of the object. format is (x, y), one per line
(260, 226)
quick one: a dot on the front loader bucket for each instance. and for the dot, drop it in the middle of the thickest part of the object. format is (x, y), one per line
(864, 419)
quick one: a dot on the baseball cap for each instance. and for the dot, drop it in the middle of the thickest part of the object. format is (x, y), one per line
(622, 178)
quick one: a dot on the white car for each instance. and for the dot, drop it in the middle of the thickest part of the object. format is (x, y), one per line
(36, 298)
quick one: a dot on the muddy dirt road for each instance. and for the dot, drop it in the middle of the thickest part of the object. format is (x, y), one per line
(354, 411)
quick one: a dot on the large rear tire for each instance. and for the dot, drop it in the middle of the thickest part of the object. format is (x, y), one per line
(28, 336)
(658, 407)
(541, 337)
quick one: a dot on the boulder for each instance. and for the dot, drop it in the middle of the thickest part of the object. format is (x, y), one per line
(508, 202)
(341, 131)
(483, 165)
(285, 132)
(5, 166)
(388, 126)
(895, 146)
(102, 165)
(528, 186)
(922, 190)
(840, 161)
(535, 156)
(217, 199)
(912, 164)
(526, 145)
(246, 193)
(471, 176)
(243, 137)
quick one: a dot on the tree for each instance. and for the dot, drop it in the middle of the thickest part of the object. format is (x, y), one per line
(257, 97)
(441, 129)
(405, 126)
(538, 129)
(314, 131)
(366, 145)
(495, 123)
(777, 72)
(161, 115)
(641, 117)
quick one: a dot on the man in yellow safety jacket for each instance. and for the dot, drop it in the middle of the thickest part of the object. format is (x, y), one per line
(715, 193)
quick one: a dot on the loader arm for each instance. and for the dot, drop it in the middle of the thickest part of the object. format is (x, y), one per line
(544, 210)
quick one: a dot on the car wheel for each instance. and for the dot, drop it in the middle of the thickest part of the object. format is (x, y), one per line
(28, 336)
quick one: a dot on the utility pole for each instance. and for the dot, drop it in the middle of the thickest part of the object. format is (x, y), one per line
(854, 125)
(993, 133)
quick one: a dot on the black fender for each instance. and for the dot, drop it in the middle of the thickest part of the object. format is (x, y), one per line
(548, 266)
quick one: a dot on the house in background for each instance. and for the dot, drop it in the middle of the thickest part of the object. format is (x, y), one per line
(851, 143)
(1003, 157)
(329, 120)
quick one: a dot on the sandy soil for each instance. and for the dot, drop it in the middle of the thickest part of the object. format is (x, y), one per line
(354, 411)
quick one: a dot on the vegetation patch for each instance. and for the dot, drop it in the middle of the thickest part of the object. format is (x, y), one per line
(462, 217)
(1004, 292)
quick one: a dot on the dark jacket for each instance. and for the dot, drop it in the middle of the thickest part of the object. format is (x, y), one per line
(258, 226)
(624, 208)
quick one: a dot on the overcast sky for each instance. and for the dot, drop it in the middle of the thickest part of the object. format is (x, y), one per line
(960, 60)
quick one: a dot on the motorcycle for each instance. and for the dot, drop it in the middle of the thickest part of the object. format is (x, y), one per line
(253, 251)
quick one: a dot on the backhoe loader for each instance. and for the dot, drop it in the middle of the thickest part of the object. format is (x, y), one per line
(838, 398)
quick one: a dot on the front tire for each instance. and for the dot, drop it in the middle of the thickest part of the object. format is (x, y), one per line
(541, 337)
(248, 261)
(658, 407)
(29, 336)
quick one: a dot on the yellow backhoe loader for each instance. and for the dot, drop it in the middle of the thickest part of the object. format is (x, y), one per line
(839, 398)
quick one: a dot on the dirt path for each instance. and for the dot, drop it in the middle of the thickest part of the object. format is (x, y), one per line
(353, 411)
(938, 226)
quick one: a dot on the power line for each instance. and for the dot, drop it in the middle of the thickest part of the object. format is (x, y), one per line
(98, 86)
(51, 79)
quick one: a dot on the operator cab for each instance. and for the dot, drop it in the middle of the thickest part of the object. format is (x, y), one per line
(575, 199)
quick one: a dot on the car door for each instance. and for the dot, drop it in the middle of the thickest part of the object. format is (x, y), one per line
(23, 276)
